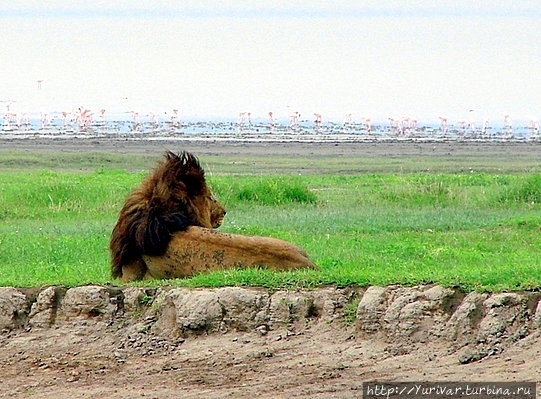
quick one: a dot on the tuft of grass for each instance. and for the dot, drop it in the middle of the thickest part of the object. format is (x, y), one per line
(274, 191)
(349, 313)
(527, 190)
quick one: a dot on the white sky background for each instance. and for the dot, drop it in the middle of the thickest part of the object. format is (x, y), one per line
(215, 58)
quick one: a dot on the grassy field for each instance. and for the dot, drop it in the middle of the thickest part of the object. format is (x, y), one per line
(452, 226)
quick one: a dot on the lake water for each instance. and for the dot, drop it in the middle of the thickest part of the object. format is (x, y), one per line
(125, 125)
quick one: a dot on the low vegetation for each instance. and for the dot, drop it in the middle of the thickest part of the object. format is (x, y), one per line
(471, 230)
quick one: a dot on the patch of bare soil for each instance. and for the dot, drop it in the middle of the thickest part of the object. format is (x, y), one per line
(103, 342)
(265, 148)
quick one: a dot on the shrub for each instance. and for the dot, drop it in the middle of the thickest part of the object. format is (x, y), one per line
(421, 191)
(275, 192)
(528, 190)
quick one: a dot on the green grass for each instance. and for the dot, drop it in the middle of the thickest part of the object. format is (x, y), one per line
(477, 231)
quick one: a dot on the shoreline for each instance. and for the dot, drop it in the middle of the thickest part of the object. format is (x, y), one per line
(243, 146)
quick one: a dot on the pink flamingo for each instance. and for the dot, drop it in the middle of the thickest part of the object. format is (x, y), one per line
(85, 117)
(463, 123)
(271, 119)
(64, 118)
(135, 117)
(367, 123)
(413, 123)
(174, 117)
(318, 122)
(396, 125)
(443, 124)
(14, 116)
(294, 119)
(8, 117)
(408, 123)
(45, 119)
(22, 117)
(154, 117)
(240, 119)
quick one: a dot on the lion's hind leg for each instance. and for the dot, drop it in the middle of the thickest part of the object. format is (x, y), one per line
(199, 250)
(134, 271)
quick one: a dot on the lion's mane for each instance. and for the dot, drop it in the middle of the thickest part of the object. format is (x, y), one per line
(170, 199)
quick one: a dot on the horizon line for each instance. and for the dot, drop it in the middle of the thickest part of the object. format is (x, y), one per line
(263, 13)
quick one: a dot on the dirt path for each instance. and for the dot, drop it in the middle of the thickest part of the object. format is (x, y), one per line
(316, 363)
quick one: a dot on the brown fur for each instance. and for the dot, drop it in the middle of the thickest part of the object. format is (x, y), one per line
(165, 230)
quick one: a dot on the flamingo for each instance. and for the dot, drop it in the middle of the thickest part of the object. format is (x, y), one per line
(14, 116)
(135, 117)
(463, 123)
(85, 117)
(271, 119)
(318, 122)
(45, 118)
(64, 118)
(240, 119)
(294, 119)
(409, 123)
(471, 122)
(533, 125)
(367, 123)
(154, 117)
(485, 126)
(22, 117)
(8, 117)
(396, 125)
(174, 117)
(507, 123)
(443, 124)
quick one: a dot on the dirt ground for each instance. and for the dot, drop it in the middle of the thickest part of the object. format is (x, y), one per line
(319, 361)
(493, 149)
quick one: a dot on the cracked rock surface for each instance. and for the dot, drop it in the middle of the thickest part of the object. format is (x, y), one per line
(132, 342)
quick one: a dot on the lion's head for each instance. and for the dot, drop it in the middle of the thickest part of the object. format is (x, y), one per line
(171, 198)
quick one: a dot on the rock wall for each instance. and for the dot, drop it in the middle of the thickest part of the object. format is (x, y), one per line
(484, 323)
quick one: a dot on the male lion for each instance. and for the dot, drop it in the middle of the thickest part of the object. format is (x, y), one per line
(165, 230)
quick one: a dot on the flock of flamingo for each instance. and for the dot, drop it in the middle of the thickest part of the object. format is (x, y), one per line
(407, 124)
(82, 118)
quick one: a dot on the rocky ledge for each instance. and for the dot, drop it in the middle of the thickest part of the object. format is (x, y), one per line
(478, 324)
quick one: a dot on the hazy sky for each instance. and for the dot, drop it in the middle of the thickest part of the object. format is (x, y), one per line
(216, 58)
